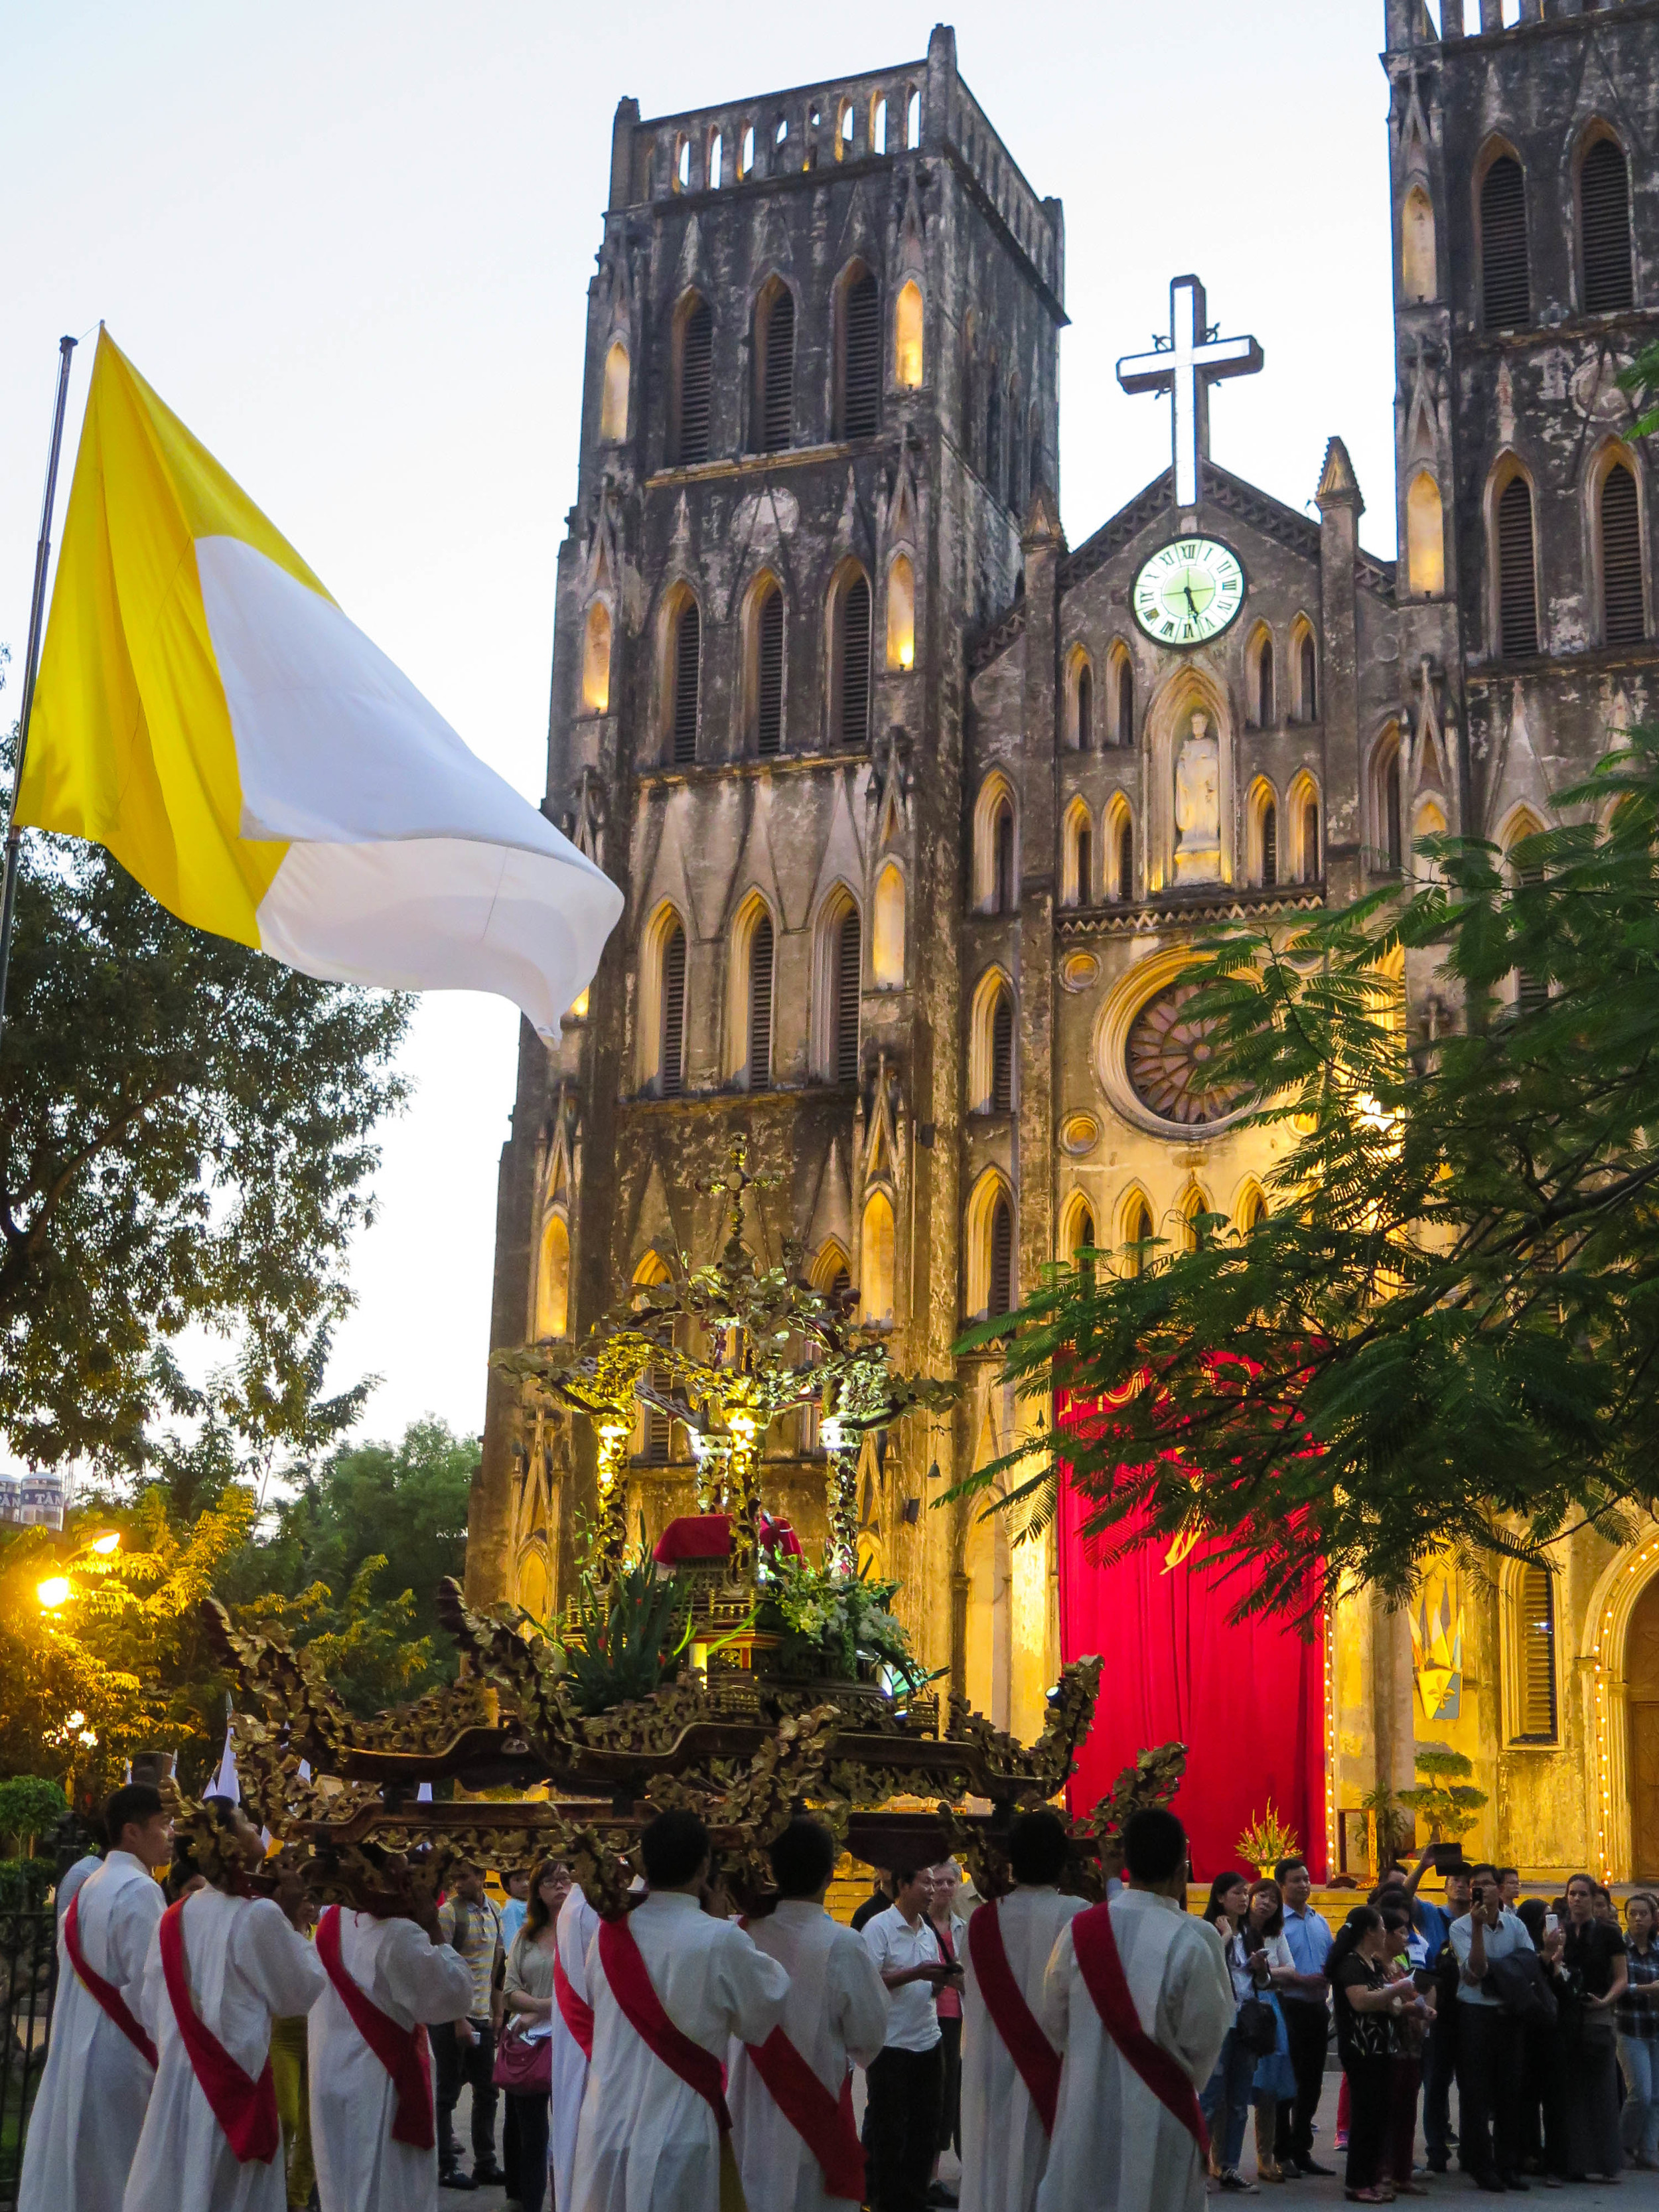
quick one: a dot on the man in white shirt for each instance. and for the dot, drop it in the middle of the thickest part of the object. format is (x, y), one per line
(670, 1986)
(792, 2102)
(907, 2079)
(573, 2035)
(1489, 2039)
(100, 2063)
(1137, 1998)
(1009, 2070)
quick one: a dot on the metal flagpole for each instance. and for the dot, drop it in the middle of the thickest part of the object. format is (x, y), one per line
(31, 665)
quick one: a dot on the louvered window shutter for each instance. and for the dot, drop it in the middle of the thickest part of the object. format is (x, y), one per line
(1005, 859)
(849, 957)
(769, 725)
(861, 359)
(697, 383)
(1126, 702)
(1085, 867)
(1517, 590)
(673, 1013)
(1622, 621)
(1309, 682)
(1536, 1623)
(1506, 294)
(1086, 709)
(1604, 208)
(688, 644)
(760, 1006)
(658, 1429)
(1126, 862)
(1001, 1286)
(1002, 1055)
(1270, 843)
(855, 716)
(778, 399)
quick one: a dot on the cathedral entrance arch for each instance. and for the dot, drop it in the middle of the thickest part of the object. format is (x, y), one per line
(1621, 1644)
(1642, 1696)
(1190, 779)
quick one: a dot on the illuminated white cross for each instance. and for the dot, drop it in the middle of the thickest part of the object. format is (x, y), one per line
(1187, 367)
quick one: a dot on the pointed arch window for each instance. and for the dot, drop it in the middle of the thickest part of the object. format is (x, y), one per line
(1269, 844)
(671, 1056)
(760, 1003)
(900, 613)
(1604, 229)
(1002, 1054)
(907, 337)
(1137, 1234)
(613, 400)
(887, 937)
(768, 673)
(687, 676)
(847, 981)
(1385, 803)
(1079, 870)
(596, 658)
(1505, 283)
(1309, 671)
(774, 368)
(1085, 706)
(1537, 1719)
(694, 382)
(1126, 700)
(1122, 850)
(1000, 1273)
(1002, 848)
(876, 1261)
(1263, 683)
(851, 642)
(553, 1280)
(860, 356)
(1623, 618)
(1517, 586)
(1311, 863)
(1425, 538)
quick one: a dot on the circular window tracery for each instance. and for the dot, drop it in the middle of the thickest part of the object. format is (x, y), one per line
(1169, 1059)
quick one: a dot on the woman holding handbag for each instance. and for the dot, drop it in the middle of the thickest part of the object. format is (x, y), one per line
(1262, 1934)
(1226, 2099)
(523, 2057)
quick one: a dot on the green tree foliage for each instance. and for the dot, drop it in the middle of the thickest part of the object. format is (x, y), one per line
(123, 1663)
(186, 1139)
(31, 1805)
(1446, 1329)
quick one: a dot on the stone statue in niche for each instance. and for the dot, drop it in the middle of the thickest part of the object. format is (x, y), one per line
(1198, 806)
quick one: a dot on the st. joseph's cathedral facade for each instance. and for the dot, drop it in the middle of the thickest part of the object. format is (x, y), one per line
(917, 808)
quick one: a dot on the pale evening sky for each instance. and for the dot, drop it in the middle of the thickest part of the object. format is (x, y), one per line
(350, 244)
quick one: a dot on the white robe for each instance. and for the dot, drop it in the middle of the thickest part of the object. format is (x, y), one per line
(90, 2106)
(647, 2140)
(577, 1924)
(360, 2168)
(1116, 2147)
(837, 2009)
(246, 1966)
(1004, 2145)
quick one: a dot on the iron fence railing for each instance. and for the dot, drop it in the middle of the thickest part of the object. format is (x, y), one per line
(28, 1985)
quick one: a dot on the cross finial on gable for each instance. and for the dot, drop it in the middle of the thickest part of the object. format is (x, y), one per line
(1192, 359)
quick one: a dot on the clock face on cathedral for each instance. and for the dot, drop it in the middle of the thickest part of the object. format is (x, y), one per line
(1190, 592)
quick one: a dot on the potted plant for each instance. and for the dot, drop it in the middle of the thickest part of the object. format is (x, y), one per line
(1446, 1798)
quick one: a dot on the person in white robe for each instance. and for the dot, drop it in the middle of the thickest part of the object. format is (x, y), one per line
(647, 2141)
(1004, 2143)
(406, 1970)
(575, 1931)
(836, 2011)
(1117, 2146)
(246, 1966)
(87, 2112)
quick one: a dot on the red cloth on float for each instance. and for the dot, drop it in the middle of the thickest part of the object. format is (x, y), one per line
(1247, 1700)
(699, 1536)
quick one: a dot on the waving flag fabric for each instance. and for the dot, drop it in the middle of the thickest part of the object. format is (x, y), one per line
(206, 712)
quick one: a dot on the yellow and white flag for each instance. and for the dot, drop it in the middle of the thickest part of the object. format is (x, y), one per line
(206, 712)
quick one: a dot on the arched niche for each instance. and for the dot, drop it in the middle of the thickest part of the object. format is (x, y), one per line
(1190, 691)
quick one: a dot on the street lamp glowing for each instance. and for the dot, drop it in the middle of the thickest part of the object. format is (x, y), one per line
(53, 1592)
(108, 1542)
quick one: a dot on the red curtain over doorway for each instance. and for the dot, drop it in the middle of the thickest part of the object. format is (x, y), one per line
(1247, 1701)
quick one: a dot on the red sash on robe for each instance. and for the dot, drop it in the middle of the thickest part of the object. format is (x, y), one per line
(403, 2052)
(824, 2123)
(245, 2109)
(1104, 1977)
(631, 1984)
(1036, 2057)
(577, 2016)
(106, 1996)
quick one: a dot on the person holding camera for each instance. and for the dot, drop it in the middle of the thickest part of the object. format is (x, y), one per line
(907, 2080)
(1489, 2038)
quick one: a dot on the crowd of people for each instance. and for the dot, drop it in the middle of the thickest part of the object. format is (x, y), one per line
(218, 2050)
